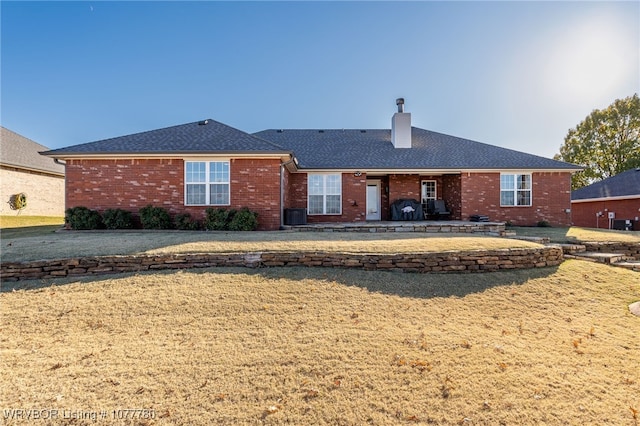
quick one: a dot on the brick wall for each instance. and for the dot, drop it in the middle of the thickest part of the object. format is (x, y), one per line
(354, 200)
(130, 184)
(45, 193)
(551, 196)
(452, 195)
(584, 214)
(404, 186)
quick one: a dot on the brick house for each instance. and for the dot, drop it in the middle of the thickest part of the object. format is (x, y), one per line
(334, 175)
(24, 171)
(617, 196)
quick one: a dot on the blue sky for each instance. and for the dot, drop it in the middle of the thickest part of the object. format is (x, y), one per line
(513, 74)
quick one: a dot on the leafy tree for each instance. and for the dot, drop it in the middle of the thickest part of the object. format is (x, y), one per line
(606, 143)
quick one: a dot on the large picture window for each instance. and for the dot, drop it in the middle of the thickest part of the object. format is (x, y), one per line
(515, 190)
(325, 193)
(207, 183)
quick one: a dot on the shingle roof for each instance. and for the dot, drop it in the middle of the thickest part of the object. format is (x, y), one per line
(623, 184)
(373, 149)
(23, 153)
(190, 138)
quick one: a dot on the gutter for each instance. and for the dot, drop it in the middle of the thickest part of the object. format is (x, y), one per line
(282, 167)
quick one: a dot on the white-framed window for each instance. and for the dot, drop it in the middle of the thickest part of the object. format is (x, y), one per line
(429, 190)
(206, 183)
(324, 193)
(515, 189)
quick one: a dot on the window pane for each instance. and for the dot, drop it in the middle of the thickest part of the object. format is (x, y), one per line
(506, 198)
(316, 186)
(507, 182)
(196, 172)
(333, 204)
(196, 194)
(333, 184)
(219, 171)
(524, 198)
(219, 194)
(315, 204)
(428, 190)
(524, 182)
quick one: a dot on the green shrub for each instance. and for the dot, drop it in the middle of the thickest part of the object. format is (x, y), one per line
(82, 218)
(544, 224)
(244, 220)
(222, 219)
(117, 219)
(155, 217)
(218, 219)
(185, 222)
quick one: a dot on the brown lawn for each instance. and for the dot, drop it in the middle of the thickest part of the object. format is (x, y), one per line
(337, 347)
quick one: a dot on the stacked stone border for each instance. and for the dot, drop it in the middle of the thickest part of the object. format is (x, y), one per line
(630, 250)
(443, 262)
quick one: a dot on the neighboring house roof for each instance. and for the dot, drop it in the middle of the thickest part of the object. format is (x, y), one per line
(200, 137)
(21, 153)
(622, 185)
(373, 149)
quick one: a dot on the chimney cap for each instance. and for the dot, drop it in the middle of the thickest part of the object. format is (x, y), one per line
(400, 103)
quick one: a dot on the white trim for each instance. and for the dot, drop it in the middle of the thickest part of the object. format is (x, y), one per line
(433, 172)
(516, 190)
(422, 182)
(378, 184)
(618, 198)
(167, 156)
(207, 183)
(324, 194)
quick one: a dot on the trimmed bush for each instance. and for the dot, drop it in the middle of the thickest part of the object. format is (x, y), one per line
(185, 222)
(544, 224)
(218, 219)
(155, 217)
(117, 219)
(230, 220)
(244, 220)
(82, 218)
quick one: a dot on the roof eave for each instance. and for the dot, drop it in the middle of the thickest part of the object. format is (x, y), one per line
(172, 154)
(616, 198)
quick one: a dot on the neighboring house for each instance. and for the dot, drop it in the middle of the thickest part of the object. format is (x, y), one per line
(24, 171)
(336, 175)
(617, 196)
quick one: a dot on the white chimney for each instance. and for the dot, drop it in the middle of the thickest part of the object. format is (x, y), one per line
(401, 127)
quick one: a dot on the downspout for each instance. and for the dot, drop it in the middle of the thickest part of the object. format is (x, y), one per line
(282, 166)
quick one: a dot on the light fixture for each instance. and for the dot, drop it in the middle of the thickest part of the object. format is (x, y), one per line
(357, 174)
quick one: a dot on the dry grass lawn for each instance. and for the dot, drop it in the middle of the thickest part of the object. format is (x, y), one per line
(577, 234)
(76, 244)
(338, 347)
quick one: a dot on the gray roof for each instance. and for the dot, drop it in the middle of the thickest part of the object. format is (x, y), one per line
(621, 185)
(321, 149)
(23, 153)
(373, 149)
(190, 138)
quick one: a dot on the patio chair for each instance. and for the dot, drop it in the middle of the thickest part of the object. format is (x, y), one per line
(438, 209)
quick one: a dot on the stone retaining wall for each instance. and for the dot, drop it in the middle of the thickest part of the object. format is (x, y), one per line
(626, 249)
(469, 261)
(400, 226)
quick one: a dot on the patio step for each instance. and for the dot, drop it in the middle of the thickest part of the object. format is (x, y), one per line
(607, 258)
(631, 264)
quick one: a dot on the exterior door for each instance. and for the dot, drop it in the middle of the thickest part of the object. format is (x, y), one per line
(373, 200)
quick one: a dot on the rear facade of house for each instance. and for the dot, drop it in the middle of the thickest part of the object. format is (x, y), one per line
(316, 175)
